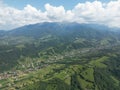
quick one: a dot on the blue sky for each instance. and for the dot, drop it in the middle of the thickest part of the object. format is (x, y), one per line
(16, 13)
(39, 4)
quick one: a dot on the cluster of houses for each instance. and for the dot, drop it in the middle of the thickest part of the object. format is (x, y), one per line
(16, 74)
(9, 74)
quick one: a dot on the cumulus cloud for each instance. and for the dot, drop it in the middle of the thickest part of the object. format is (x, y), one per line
(88, 12)
(97, 12)
(55, 13)
(12, 18)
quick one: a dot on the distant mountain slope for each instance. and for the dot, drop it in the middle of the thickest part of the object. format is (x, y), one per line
(64, 31)
(2, 33)
(38, 30)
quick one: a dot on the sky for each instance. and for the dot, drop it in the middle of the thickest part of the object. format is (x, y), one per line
(16, 13)
(39, 4)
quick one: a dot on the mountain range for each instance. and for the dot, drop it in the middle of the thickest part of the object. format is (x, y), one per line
(55, 56)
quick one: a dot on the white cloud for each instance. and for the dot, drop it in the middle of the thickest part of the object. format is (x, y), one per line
(88, 12)
(55, 13)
